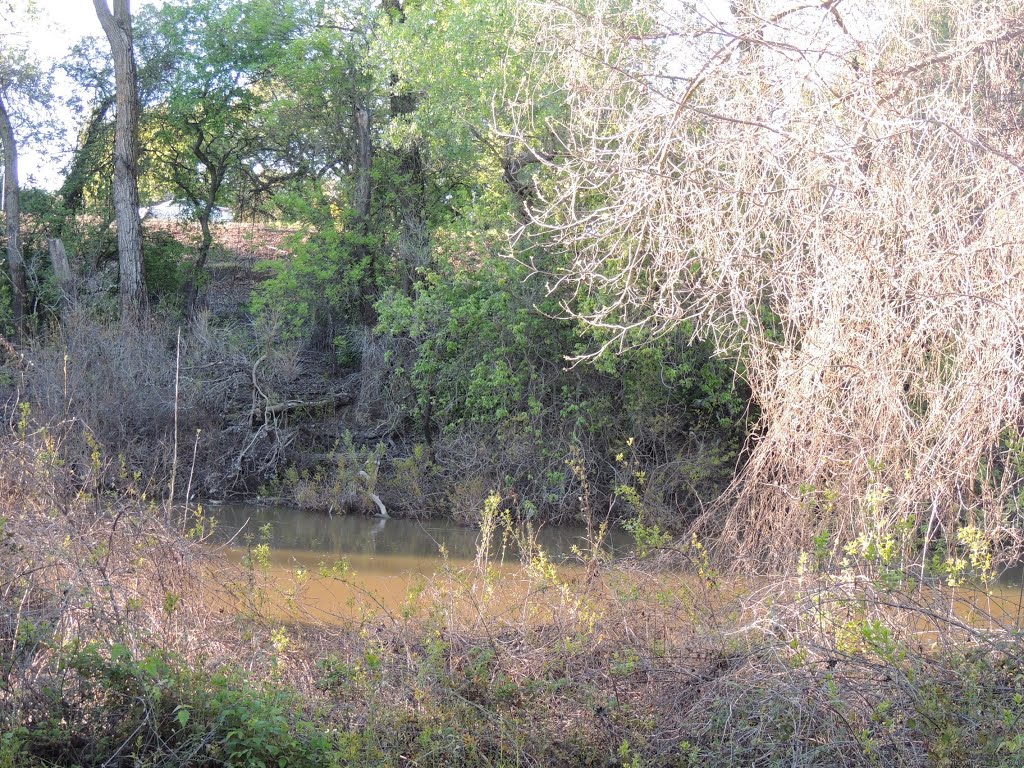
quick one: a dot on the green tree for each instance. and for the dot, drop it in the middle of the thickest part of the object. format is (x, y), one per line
(328, 111)
(463, 62)
(206, 129)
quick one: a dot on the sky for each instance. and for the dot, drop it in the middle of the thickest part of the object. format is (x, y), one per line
(61, 24)
(70, 20)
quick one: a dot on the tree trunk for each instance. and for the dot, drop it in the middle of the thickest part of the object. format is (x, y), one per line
(524, 190)
(12, 213)
(364, 161)
(361, 208)
(84, 159)
(413, 233)
(118, 28)
(199, 268)
(62, 271)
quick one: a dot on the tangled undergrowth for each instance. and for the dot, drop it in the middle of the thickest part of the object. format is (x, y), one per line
(114, 651)
(833, 196)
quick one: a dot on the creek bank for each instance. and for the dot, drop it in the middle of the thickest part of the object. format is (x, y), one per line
(248, 404)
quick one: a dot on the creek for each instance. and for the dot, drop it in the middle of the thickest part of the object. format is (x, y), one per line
(386, 559)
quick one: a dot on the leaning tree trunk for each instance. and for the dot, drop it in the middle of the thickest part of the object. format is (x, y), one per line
(195, 275)
(118, 28)
(12, 212)
(83, 161)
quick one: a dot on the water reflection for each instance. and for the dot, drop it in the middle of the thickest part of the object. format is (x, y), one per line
(385, 558)
(320, 534)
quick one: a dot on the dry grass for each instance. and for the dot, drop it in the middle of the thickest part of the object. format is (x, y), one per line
(243, 241)
(631, 663)
(128, 393)
(80, 566)
(613, 663)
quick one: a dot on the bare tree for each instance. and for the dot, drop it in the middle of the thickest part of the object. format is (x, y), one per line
(834, 194)
(118, 28)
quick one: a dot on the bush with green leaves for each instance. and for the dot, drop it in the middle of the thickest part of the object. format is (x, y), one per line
(163, 261)
(490, 361)
(330, 266)
(112, 704)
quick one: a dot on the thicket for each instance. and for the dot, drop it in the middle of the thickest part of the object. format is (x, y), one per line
(587, 256)
(480, 362)
(733, 266)
(395, 270)
(829, 194)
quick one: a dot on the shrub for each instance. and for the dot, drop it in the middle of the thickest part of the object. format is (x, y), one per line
(163, 263)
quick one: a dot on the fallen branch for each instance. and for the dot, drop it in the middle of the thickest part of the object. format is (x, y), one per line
(290, 406)
(382, 510)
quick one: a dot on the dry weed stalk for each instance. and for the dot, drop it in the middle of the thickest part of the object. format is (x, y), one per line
(858, 666)
(833, 193)
(78, 567)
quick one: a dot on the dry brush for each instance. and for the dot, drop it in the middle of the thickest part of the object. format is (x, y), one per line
(833, 193)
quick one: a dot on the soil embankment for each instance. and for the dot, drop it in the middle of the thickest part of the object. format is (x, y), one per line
(297, 402)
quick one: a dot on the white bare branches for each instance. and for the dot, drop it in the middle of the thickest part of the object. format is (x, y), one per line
(834, 195)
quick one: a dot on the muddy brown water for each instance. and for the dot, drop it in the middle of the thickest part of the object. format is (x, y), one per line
(389, 561)
(386, 560)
